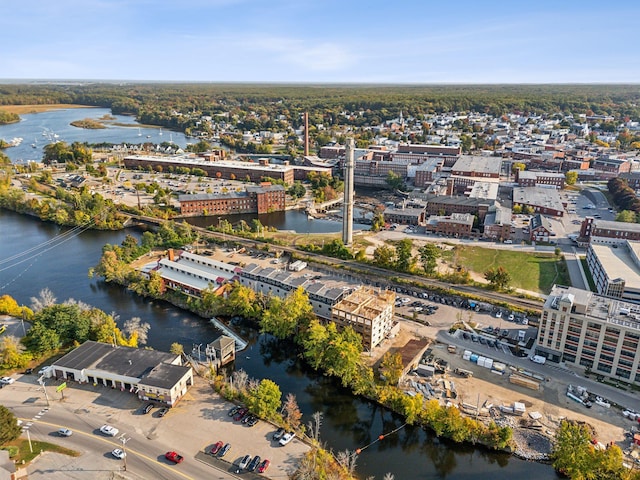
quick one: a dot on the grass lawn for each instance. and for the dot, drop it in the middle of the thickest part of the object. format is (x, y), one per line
(25, 454)
(536, 272)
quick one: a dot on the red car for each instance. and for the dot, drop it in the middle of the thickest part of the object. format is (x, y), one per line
(173, 457)
(241, 413)
(264, 465)
(216, 448)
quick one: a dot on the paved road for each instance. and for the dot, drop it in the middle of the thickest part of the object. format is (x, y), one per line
(192, 426)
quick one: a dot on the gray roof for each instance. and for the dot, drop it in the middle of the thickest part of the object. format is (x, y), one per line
(164, 375)
(616, 226)
(126, 361)
(538, 196)
(210, 196)
(477, 163)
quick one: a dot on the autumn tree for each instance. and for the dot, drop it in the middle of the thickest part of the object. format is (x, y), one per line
(292, 411)
(391, 368)
(571, 178)
(282, 317)
(498, 278)
(384, 256)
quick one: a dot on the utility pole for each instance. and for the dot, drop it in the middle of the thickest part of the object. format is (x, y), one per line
(44, 389)
(124, 441)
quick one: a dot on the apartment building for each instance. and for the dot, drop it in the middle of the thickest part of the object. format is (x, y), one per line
(616, 269)
(527, 178)
(608, 232)
(458, 225)
(255, 199)
(596, 332)
(368, 311)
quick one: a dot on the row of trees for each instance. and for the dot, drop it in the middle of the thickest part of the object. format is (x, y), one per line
(57, 326)
(575, 455)
(624, 196)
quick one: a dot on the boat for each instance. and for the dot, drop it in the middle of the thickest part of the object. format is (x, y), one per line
(139, 133)
(160, 132)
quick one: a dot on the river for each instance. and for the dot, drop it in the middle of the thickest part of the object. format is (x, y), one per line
(349, 423)
(34, 256)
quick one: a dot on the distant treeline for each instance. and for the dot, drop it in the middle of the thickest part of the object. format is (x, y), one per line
(155, 103)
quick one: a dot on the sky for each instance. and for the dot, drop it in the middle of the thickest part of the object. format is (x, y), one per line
(322, 41)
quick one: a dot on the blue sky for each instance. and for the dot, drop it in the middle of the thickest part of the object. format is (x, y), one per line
(413, 41)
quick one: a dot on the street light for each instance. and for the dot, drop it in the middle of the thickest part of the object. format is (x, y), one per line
(44, 389)
(124, 441)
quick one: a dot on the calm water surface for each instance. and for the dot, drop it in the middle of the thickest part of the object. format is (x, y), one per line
(349, 423)
(62, 263)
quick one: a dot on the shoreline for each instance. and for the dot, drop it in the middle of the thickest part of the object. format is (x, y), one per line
(26, 109)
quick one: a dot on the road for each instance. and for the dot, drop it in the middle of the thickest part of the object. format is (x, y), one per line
(189, 428)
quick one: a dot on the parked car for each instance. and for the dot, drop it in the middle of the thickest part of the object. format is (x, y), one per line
(253, 421)
(65, 432)
(234, 410)
(244, 461)
(118, 453)
(28, 371)
(224, 450)
(173, 457)
(511, 318)
(278, 433)
(247, 418)
(216, 447)
(109, 430)
(253, 464)
(263, 466)
(147, 408)
(7, 380)
(163, 411)
(286, 438)
(44, 370)
(239, 414)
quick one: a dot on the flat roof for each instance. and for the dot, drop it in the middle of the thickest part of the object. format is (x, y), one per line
(538, 196)
(619, 262)
(207, 163)
(164, 375)
(478, 163)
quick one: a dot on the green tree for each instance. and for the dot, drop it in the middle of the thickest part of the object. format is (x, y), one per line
(264, 400)
(391, 368)
(313, 342)
(41, 340)
(429, 254)
(517, 167)
(282, 317)
(517, 209)
(176, 348)
(498, 278)
(394, 180)
(384, 256)
(404, 255)
(377, 223)
(571, 178)
(571, 451)
(243, 301)
(9, 428)
(626, 216)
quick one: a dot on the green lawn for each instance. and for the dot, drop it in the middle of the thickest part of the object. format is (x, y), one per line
(536, 272)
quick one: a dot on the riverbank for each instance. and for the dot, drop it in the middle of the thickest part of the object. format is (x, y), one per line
(25, 109)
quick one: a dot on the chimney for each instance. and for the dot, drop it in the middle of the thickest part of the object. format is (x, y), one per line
(306, 133)
(171, 255)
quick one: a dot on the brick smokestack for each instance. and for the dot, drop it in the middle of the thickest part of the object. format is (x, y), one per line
(306, 133)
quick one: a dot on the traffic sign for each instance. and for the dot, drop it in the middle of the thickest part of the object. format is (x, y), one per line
(61, 387)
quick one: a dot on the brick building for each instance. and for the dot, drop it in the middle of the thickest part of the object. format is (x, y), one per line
(608, 232)
(255, 199)
(527, 178)
(458, 225)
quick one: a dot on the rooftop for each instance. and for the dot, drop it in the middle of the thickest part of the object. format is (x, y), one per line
(620, 262)
(366, 302)
(538, 196)
(478, 164)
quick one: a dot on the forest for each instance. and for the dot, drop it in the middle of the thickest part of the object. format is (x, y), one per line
(264, 106)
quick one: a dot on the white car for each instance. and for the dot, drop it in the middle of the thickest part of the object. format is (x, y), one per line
(7, 380)
(118, 453)
(498, 314)
(109, 430)
(286, 438)
(65, 432)
(44, 370)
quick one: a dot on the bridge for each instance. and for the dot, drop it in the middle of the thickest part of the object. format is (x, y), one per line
(316, 208)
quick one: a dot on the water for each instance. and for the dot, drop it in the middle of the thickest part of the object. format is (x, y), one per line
(58, 122)
(349, 422)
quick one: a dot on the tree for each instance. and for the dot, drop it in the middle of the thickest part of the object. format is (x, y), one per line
(44, 299)
(282, 317)
(626, 216)
(176, 348)
(404, 255)
(9, 428)
(391, 368)
(394, 180)
(498, 277)
(137, 331)
(571, 178)
(429, 254)
(264, 400)
(517, 167)
(571, 451)
(11, 353)
(41, 340)
(292, 411)
(384, 256)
